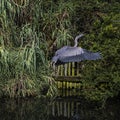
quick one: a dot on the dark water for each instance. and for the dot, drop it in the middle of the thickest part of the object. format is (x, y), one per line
(67, 108)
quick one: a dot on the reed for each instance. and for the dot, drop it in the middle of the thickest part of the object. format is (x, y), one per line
(24, 67)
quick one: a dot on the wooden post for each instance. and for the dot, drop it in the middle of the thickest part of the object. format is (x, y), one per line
(73, 69)
(65, 69)
(69, 70)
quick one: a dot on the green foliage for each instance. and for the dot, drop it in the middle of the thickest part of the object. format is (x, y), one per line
(101, 79)
(29, 31)
(23, 61)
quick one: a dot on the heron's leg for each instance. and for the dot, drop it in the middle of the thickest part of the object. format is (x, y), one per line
(53, 66)
(57, 69)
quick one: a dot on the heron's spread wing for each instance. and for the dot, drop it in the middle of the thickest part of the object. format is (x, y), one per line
(76, 58)
(87, 55)
(61, 50)
(74, 54)
(92, 56)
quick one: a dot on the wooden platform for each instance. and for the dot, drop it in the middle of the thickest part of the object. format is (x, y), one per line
(68, 73)
(73, 79)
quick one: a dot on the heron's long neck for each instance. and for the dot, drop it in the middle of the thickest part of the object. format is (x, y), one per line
(76, 39)
(76, 42)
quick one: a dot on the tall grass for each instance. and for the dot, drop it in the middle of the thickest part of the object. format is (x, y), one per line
(24, 67)
(19, 66)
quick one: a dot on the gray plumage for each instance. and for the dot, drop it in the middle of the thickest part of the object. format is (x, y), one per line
(74, 54)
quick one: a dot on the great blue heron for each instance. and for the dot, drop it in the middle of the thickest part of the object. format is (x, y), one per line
(73, 54)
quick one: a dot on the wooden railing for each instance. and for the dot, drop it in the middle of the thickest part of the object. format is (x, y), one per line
(70, 69)
(68, 72)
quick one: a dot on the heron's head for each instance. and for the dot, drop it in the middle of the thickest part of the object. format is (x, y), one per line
(79, 36)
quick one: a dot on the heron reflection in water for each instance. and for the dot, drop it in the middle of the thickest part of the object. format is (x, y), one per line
(68, 54)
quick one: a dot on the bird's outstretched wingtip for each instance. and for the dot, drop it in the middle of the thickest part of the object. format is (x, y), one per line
(99, 56)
